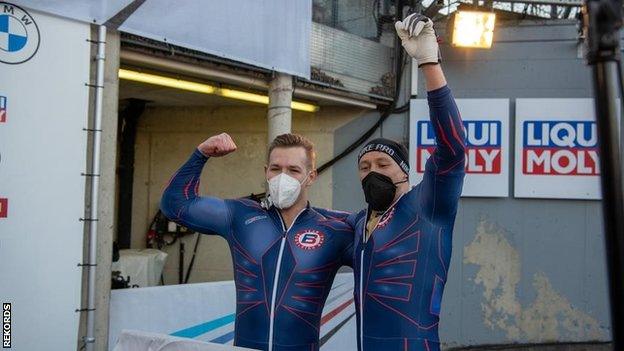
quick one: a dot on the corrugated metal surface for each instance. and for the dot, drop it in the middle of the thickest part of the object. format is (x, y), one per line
(348, 45)
(358, 63)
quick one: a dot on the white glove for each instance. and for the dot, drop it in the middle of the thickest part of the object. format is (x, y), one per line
(419, 38)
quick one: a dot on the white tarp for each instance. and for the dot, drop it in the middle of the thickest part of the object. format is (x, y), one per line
(135, 340)
(43, 151)
(272, 34)
(206, 312)
(91, 11)
(142, 266)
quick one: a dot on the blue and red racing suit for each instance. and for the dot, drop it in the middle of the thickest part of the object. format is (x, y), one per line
(282, 275)
(400, 270)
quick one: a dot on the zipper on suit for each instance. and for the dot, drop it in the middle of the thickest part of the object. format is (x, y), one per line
(364, 242)
(277, 274)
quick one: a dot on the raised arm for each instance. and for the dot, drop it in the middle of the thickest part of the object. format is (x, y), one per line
(444, 172)
(181, 202)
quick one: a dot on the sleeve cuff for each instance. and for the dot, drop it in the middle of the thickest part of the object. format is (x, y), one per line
(439, 97)
(200, 155)
(438, 93)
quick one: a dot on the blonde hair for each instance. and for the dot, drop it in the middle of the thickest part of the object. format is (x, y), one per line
(289, 140)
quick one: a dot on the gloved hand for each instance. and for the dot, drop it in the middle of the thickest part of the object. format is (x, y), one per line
(419, 39)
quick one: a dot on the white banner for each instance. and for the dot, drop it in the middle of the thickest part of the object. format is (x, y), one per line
(44, 65)
(556, 149)
(133, 340)
(206, 312)
(273, 34)
(486, 124)
(89, 11)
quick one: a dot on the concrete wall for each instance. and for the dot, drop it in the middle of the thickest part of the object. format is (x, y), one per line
(523, 271)
(168, 135)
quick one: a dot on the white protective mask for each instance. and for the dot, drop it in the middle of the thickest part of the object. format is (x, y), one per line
(284, 190)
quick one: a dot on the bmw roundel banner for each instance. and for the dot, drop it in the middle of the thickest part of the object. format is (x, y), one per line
(556, 149)
(19, 34)
(44, 105)
(486, 125)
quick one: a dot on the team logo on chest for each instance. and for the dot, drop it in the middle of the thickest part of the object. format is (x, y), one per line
(309, 239)
(385, 219)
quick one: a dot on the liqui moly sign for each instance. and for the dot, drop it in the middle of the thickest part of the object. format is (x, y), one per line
(556, 149)
(486, 126)
(483, 146)
(560, 148)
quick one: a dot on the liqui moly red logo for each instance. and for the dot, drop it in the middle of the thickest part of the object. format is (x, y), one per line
(483, 148)
(560, 148)
(4, 208)
(3, 109)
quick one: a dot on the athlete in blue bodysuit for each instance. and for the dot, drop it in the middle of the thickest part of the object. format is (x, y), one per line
(283, 272)
(403, 238)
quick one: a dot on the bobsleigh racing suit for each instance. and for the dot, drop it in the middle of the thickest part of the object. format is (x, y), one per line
(282, 275)
(400, 270)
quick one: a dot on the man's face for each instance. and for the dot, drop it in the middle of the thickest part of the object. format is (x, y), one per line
(376, 161)
(292, 161)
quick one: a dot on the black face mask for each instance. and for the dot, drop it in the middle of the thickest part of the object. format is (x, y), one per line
(379, 190)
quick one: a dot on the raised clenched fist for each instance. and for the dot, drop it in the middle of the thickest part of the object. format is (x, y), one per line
(217, 146)
(419, 38)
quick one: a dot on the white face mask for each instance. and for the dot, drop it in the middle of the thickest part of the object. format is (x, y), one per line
(284, 190)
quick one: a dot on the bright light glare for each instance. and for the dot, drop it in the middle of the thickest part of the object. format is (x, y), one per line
(473, 29)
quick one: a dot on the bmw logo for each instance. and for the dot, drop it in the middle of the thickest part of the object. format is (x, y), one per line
(19, 34)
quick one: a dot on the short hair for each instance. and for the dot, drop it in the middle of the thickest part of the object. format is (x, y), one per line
(289, 140)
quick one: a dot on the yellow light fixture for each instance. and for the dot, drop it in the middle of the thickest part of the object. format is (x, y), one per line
(207, 89)
(473, 29)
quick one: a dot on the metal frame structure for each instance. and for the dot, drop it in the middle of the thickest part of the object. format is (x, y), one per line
(547, 9)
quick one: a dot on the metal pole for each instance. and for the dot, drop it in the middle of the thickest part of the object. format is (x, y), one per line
(612, 201)
(279, 113)
(181, 261)
(95, 183)
(602, 22)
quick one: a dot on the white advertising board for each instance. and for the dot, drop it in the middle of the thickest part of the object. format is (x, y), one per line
(486, 124)
(44, 65)
(556, 149)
